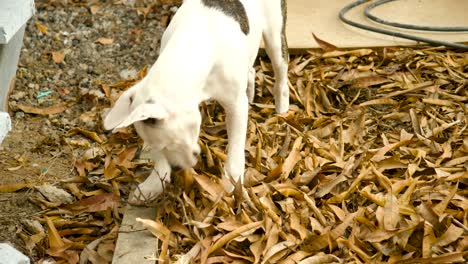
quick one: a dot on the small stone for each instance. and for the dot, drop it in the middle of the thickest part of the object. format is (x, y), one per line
(54, 194)
(128, 74)
(19, 114)
(33, 226)
(18, 95)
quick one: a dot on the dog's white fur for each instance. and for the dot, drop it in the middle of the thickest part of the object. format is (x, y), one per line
(204, 55)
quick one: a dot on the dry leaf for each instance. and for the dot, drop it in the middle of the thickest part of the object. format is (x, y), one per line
(323, 44)
(15, 187)
(233, 234)
(97, 203)
(58, 108)
(58, 56)
(105, 41)
(41, 28)
(94, 9)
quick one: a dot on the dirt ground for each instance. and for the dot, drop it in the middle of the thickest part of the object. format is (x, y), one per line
(35, 152)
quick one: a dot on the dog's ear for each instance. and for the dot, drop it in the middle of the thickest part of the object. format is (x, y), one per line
(121, 109)
(143, 112)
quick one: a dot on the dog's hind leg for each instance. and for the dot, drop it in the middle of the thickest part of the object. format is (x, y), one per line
(276, 46)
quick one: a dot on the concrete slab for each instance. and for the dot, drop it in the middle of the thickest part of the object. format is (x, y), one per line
(135, 244)
(321, 18)
(13, 17)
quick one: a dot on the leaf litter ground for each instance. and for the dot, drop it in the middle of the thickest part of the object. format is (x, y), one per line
(368, 166)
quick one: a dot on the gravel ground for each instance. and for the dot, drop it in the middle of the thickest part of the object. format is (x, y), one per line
(103, 42)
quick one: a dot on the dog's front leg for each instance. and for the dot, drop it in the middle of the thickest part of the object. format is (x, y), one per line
(236, 125)
(154, 184)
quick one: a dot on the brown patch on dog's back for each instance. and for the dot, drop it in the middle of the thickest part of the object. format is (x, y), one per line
(231, 8)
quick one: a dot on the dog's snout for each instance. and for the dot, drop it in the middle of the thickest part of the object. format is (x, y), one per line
(175, 167)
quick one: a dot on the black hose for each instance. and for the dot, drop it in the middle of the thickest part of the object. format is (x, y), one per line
(407, 26)
(392, 33)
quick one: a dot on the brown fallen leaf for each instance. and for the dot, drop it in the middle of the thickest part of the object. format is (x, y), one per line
(89, 134)
(58, 108)
(63, 90)
(94, 9)
(233, 234)
(380, 101)
(284, 245)
(105, 41)
(158, 230)
(452, 257)
(367, 81)
(58, 56)
(320, 258)
(214, 189)
(452, 234)
(323, 44)
(120, 164)
(391, 213)
(97, 203)
(357, 53)
(10, 188)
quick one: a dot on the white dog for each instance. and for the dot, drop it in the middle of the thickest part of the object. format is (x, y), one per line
(207, 52)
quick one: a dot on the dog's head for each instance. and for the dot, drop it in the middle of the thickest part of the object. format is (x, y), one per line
(168, 129)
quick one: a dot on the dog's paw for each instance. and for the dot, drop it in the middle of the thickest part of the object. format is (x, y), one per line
(146, 192)
(282, 106)
(281, 98)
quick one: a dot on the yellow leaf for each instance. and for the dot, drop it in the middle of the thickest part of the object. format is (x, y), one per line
(10, 188)
(89, 134)
(156, 228)
(55, 241)
(41, 28)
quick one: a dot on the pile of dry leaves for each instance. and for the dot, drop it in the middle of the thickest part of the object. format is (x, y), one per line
(369, 165)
